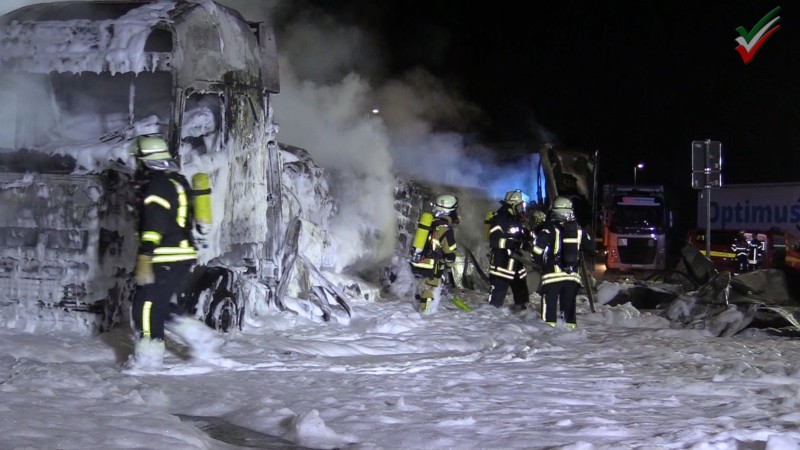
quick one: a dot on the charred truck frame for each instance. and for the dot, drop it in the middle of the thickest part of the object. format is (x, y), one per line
(79, 81)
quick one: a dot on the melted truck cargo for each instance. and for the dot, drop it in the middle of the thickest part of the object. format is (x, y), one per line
(63, 246)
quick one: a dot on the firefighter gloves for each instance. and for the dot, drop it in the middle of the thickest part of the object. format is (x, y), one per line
(144, 270)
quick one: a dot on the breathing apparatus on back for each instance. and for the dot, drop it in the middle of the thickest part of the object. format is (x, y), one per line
(153, 154)
(444, 205)
(201, 187)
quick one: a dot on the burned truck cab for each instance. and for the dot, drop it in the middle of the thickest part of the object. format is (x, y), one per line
(79, 82)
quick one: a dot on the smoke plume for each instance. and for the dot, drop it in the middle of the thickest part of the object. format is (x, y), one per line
(367, 126)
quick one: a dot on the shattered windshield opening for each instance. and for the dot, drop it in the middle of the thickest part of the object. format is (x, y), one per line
(637, 216)
(45, 112)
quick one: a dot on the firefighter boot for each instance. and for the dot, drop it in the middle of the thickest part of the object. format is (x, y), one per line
(425, 306)
(204, 343)
(148, 354)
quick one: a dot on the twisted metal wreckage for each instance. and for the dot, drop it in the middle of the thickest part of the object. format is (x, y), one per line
(125, 69)
(79, 82)
(696, 295)
(693, 294)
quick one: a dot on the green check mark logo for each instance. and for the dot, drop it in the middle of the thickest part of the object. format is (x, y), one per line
(750, 42)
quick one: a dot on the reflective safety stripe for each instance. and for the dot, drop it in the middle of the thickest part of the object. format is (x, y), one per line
(538, 250)
(424, 264)
(182, 247)
(151, 236)
(184, 252)
(183, 204)
(146, 309)
(576, 240)
(436, 245)
(508, 273)
(158, 200)
(174, 258)
(560, 276)
(174, 251)
(557, 242)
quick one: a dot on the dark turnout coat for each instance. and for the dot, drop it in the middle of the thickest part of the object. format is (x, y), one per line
(167, 218)
(509, 234)
(557, 249)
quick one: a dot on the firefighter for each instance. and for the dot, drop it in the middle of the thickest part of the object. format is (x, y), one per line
(755, 253)
(435, 250)
(165, 258)
(740, 249)
(557, 248)
(509, 236)
(537, 217)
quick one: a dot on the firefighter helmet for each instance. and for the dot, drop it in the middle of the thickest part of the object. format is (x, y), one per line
(516, 200)
(153, 152)
(151, 148)
(562, 209)
(444, 205)
(538, 217)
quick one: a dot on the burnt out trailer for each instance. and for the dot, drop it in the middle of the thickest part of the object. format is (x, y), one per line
(79, 82)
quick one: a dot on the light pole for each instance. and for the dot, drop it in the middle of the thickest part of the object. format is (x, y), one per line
(636, 168)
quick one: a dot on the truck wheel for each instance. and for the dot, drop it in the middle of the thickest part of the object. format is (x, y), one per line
(224, 314)
(213, 300)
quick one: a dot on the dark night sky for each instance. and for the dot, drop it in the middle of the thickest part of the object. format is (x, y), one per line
(636, 80)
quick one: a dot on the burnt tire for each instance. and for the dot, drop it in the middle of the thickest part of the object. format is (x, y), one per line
(224, 313)
(213, 300)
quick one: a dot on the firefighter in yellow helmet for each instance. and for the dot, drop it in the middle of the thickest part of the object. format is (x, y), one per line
(509, 237)
(557, 248)
(537, 217)
(435, 251)
(166, 256)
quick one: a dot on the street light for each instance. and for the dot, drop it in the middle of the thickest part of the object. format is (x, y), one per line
(636, 168)
(374, 113)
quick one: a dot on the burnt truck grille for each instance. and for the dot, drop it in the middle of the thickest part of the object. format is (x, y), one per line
(638, 251)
